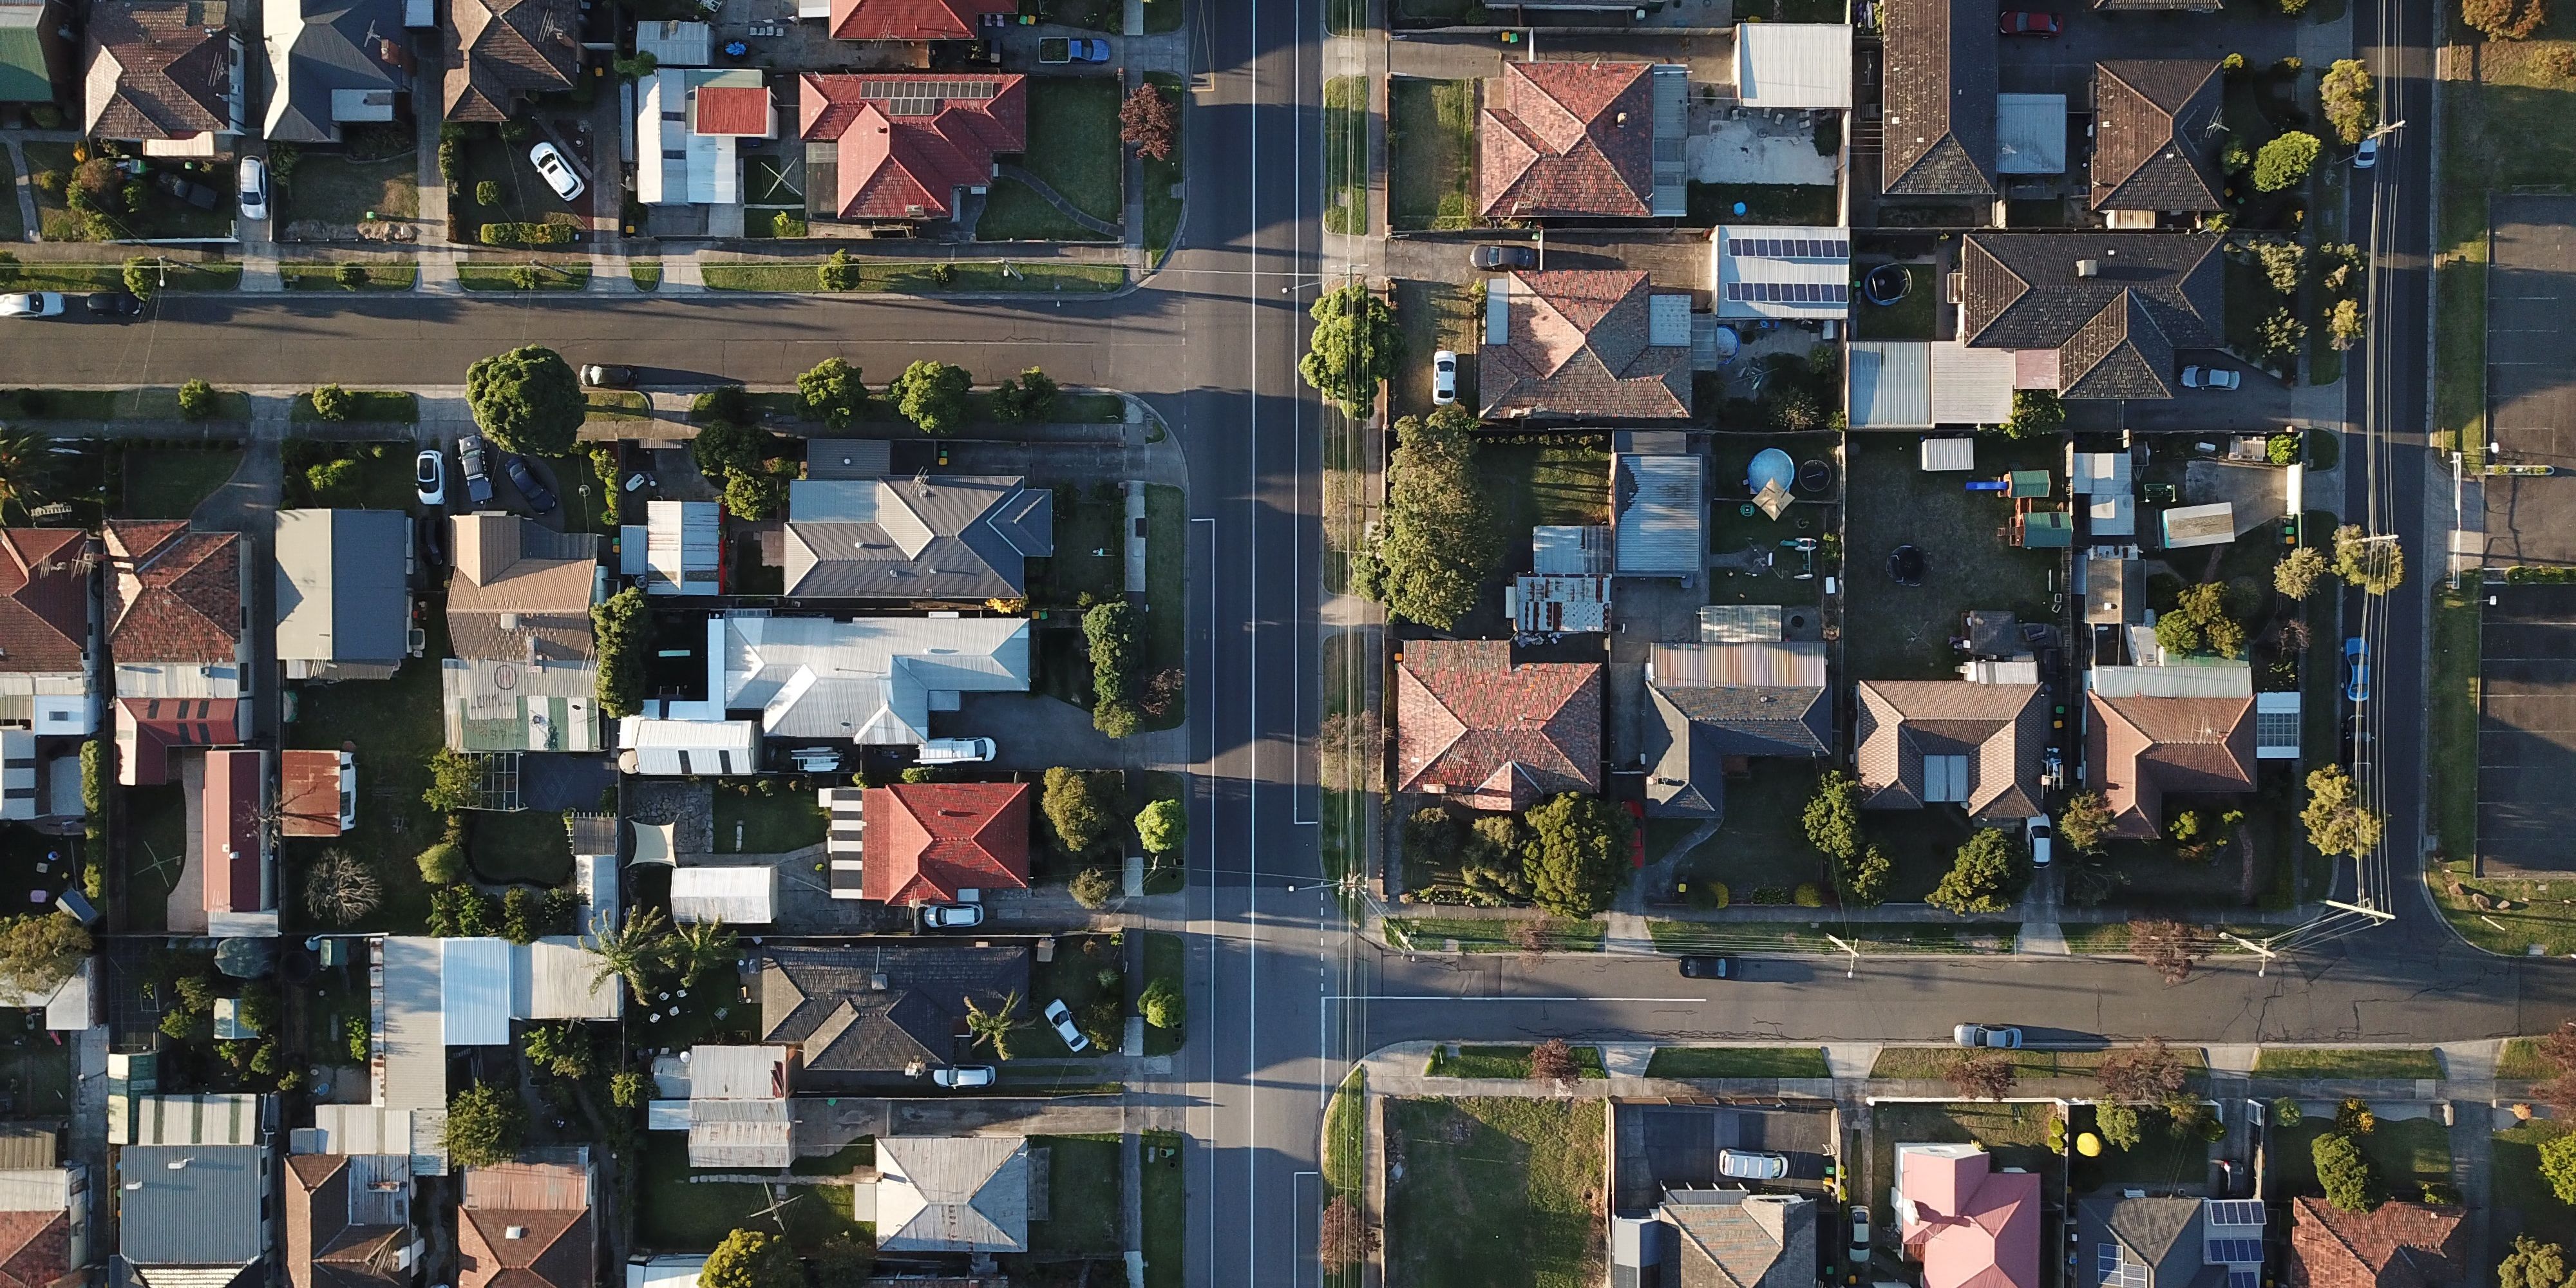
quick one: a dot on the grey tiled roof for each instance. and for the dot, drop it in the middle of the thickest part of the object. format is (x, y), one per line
(1940, 99)
(2148, 295)
(1696, 728)
(952, 537)
(2121, 353)
(826, 1002)
(2156, 143)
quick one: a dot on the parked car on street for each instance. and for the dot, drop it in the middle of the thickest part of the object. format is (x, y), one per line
(2356, 670)
(254, 187)
(1751, 1165)
(1708, 968)
(1444, 377)
(951, 916)
(1999, 1037)
(114, 304)
(2021, 22)
(1061, 1016)
(429, 476)
(540, 498)
(1490, 258)
(32, 304)
(478, 483)
(965, 1075)
(558, 172)
(604, 376)
(2367, 155)
(955, 751)
(2211, 378)
(2037, 831)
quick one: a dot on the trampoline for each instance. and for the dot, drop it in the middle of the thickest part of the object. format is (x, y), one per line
(1886, 284)
(1814, 475)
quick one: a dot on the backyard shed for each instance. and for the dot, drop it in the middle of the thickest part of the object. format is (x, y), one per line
(734, 895)
(2045, 530)
(2199, 525)
(1949, 455)
(474, 991)
(1794, 64)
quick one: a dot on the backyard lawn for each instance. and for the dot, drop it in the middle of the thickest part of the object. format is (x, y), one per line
(1966, 563)
(1736, 527)
(2161, 1158)
(2407, 1152)
(1431, 153)
(1083, 1195)
(677, 1215)
(520, 846)
(756, 824)
(170, 483)
(333, 189)
(2521, 1200)
(1501, 1193)
(395, 724)
(1737, 1062)
(1910, 318)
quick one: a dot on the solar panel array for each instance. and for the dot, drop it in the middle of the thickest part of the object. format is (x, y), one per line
(2116, 1271)
(2234, 1211)
(1787, 248)
(2244, 1279)
(1789, 292)
(2234, 1252)
(925, 97)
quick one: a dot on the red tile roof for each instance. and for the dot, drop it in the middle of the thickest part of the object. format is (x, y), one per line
(1577, 344)
(44, 598)
(732, 109)
(173, 595)
(928, 841)
(308, 793)
(1973, 1227)
(228, 814)
(1568, 138)
(149, 730)
(1472, 726)
(546, 1205)
(35, 1248)
(912, 19)
(2138, 748)
(909, 167)
(2395, 1245)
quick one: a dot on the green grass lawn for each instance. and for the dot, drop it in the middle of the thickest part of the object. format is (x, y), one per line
(1491, 935)
(395, 724)
(1431, 153)
(12, 226)
(1731, 530)
(156, 849)
(1166, 1204)
(1503, 1062)
(2407, 1152)
(160, 403)
(2521, 1061)
(1762, 842)
(1935, 1061)
(2520, 1200)
(2452, 721)
(1738, 1062)
(1673, 936)
(37, 1077)
(1162, 178)
(1083, 1195)
(1013, 211)
(492, 275)
(1494, 1193)
(1167, 525)
(2162, 1158)
(384, 480)
(377, 406)
(520, 846)
(916, 277)
(2347, 1062)
(192, 275)
(1966, 565)
(1911, 318)
(1073, 142)
(755, 824)
(1812, 204)
(524, 195)
(645, 273)
(1166, 958)
(323, 276)
(2501, 129)
(676, 1215)
(341, 190)
(1346, 113)
(2538, 916)
(1434, 316)
(1073, 976)
(170, 483)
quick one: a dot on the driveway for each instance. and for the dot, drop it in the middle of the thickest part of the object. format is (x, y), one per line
(2527, 728)
(1660, 1147)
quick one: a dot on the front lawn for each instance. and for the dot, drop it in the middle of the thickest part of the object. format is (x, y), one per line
(1084, 1191)
(1076, 978)
(1738, 1062)
(1346, 114)
(521, 195)
(2162, 1159)
(2348, 1062)
(487, 275)
(170, 483)
(1435, 316)
(1761, 846)
(1494, 1193)
(13, 227)
(520, 846)
(1503, 1062)
(1431, 153)
(2407, 1152)
(2520, 1199)
(1163, 178)
(325, 276)
(1013, 211)
(333, 189)
(2537, 918)
(748, 823)
(1073, 142)
(2016, 1134)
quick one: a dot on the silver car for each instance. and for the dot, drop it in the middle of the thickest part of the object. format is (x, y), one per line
(1750, 1165)
(1997, 1037)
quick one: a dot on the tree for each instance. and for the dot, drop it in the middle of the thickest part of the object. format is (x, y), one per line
(1577, 846)
(560, 1049)
(842, 1261)
(634, 951)
(2296, 576)
(755, 494)
(630, 1089)
(2347, 1177)
(1077, 808)
(2352, 105)
(2504, 19)
(2036, 413)
(2198, 623)
(1982, 1075)
(331, 402)
(455, 782)
(26, 467)
(484, 1125)
(1150, 121)
(2532, 1265)
(702, 948)
(40, 949)
(1356, 344)
(1833, 816)
(623, 626)
(2375, 563)
(1163, 826)
(1345, 1237)
(2344, 324)
(350, 275)
(1093, 888)
(728, 446)
(752, 1259)
(1026, 400)
(2284, 261)
(995, 1027)
(142, 276)
(341, 889)
(443, 863)
(932, 395)
(2084, 822)
(832, 392)
(839, 272)
(1553, 1061)
(1865, 879)
(2144, 1074)
(1438, 541)
(2337, 821)
(527, 400)
(2118, 1125)
(1164, 1005)
(1984, 869)
(1109, 631)
(2167, 946)
(196, 400)
(2558, 1166)
(2285, 161)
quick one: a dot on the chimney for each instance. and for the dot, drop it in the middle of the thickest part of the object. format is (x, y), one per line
(509, 621)
(2088, 268)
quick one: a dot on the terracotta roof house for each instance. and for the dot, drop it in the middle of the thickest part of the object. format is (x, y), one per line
(335, 63)
(163, 73)
(44, 1224)
(1928, 742)
(927, 841)
(173, 595)
(150, 731)
(524, 672)
(1585, 343)
(1474, 727)
(2135, 1240)
(2093, 314)
(1940, 118)
(905, 146)
(1696, 733)
(236, 864)
(906, 19)
(1576, 140)
(499, 51)
(865, 1016)
(45, 629)
(2138, 749)
(957, 537)
(348, 1221)
(317, 791)
(192, 1215)
(527, 1225)
(1970, 1225)
(2395, 1245)
(2156, 145)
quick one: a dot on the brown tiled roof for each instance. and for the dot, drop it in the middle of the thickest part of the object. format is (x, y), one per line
(157, 69)
(2000, 728)
(2115, 325)
(2137, 749)
(1472, 725)
(173, 595)
(35, 1248)
(1567, 139)
(308, 793)
(545, 1204)
(498, 50)
(541, 580)
(732, 109)
(1577, 345)
(930, 840)
(2395, 1245)
(1940, 126)
(323, 1249)
(2156, 145)
(44, 598)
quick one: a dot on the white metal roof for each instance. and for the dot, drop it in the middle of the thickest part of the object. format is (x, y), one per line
(2090, 472)
(1576, 549)
(208, 1119)
(2200, 678)
(1945, 455)
(665, 1272)
(735, 895)
(1782, 272)
(474, 991)
(1971, 386)
(692, 747)
(1793, 64)
(741, 1133)
(661, 133)
(676, 44)
(2030, 133)
(681, 547)
(873, 680)
(737, 1072)
(556, 978)
(411, 1048)
(36, 1189)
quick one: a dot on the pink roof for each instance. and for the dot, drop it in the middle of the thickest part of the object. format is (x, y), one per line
(229, 818)
(1973, 1227)
(912, 19)
(910, 166)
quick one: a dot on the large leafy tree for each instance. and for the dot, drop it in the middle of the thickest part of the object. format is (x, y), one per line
(1576, 847)
(1163, 826)
(2285, 161)
(1440, 541)
(1833, 816)
(994, 1026)
(1150, 121)
(932, 395)
(2351, 103)
(2533, 1264)
(752, 1259)
(2337, 821)
(485, 1123)
(2376, 564)
(633, 952)
(527, 400)
(623, 624)
(2084, 822)
(38, 950)
(1356, 344)
(1077, 807)
(832, 392)
(2296, 576)
(1979, 877)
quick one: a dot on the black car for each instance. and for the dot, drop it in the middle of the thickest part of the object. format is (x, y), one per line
(1905, 565)
(540, 499)
(115, 304)
(1708, 968)
(1494, 257)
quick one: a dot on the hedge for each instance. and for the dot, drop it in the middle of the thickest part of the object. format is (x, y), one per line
(526, 234)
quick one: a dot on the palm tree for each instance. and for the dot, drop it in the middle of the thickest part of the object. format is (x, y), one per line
(995, 1027)
(632, 952)
(25, 467)
(702, 946)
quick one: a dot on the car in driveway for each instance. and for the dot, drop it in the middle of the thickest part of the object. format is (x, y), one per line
(557, 171)
(1751, 1165)
(1444, 377)
(540, 498)
(956, 751)
(2356, 670)
(2036, 830)
(2367, 155)
(965, 1075)
(599, 375)
(1705, 967)
(2211, 378)
(1860, 1242)
(2026, 22)
(1078, 49)
(1061, 1016)
(951, 916)
(113, 304)
(429, 477)
(253, 182)
(2000, 1037)
(1493, 258)
(32, 304)
(478, 480)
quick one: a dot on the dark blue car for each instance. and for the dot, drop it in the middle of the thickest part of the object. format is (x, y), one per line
(525, 479)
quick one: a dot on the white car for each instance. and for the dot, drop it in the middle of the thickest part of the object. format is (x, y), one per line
(32, 304)
(429, 477)
(2367, 155)
(1999, 1037)
(955, 751)
(1751, 1165)
(1444, 377)
(2039, 834)
(1061, 1017)
(254, 188)
(1860, 1246)
(951, 916)
(965, 1075)
(558, 172)
(2211, 378)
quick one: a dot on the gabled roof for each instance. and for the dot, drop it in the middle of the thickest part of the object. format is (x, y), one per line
(2140, 748)
(1940, 99)
(148, 730)
(1971, 1226)
(927, 841)
(912, 19)
(952, 1194)
(526, 1225)
(2159, 1234)
(1582, 343)
(2115, 306)
(2156, 145)
(1695, 729)
(157, 69)
(1473, 725)
(498, 50)
(1567, 139)
(44, 598)
(342, 592)
(868, 679)
(1738, 1239)
(2395, 1245)
(521, 591)
(325, 1246)
(825, 1002)
(954, 537)
(321, 50)
(173, 595)
(1994, 732)
(902, 153)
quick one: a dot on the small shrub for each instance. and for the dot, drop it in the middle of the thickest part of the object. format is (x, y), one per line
(350, 276)
(1808, 896)
(448, 163)
(788, 224)
(526, 234)
(1092, 888)
(2283, 449)
(487, 193)
(839, 272)
(331, 402)
(516, 130)
(196, 400)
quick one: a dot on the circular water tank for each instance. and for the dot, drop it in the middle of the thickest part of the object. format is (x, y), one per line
(1770, 465)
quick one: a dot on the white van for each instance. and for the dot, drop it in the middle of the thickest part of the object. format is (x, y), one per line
(955, 751)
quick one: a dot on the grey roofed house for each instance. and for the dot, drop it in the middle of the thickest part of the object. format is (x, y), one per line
(1940, 123)
(1694, 728)
(343, 600)
(191, 1216)
(2170, 1242)
(2113, 306)
(953, 1194)
(862, 1015)
(332, 62)
(1718, 1238)
(2156, 144)
(952, 537)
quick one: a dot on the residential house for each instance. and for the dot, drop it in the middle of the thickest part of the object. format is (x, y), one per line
(1760, 271)
(1577, 139)
(410, 1137)
(1921, 384)
(192, 1215)
(164, 73)
(927, 842)
(1584, 344)
(700, 118)
(237, 860)
(862, 1016)
(495, 983)
(48, 641)
(317, 792)
(1713, 707)
(2140, 748)
(895, 146)
(2135, 1240)
(525, 672)
(35, 50)
(870, 680)
(732, 1101)
(1476, 728)
(44, 1222)
(501, 51)
(1713, 1238)
(528, 1225)
(335, 63)
(1940, 107)
(909, 20)
(175, 630)
(2398, 1244)
(348, 1221)
(953, 1194)
(952, 538)
(2155, 143)
(2093, 314)
(1929, 742)
(344, 593)
(1969, 1224)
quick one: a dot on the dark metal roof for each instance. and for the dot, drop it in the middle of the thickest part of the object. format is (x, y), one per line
(827, 1002)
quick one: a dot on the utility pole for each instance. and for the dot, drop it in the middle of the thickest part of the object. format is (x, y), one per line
(1854, 969)
(2250, 946)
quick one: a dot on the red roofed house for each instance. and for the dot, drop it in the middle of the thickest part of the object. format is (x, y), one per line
(2139, 748)
(233, 855)
(909, 19)
(44, 1224)
(904, 145)
(1475, 728)
(174, 631)
(527, 1225)
(927, 841)
(1970, 1225)
(150, 732)
(45, 656)
(2395, 1245)
(1577, 140)
(317, 791)
(1581, 343)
